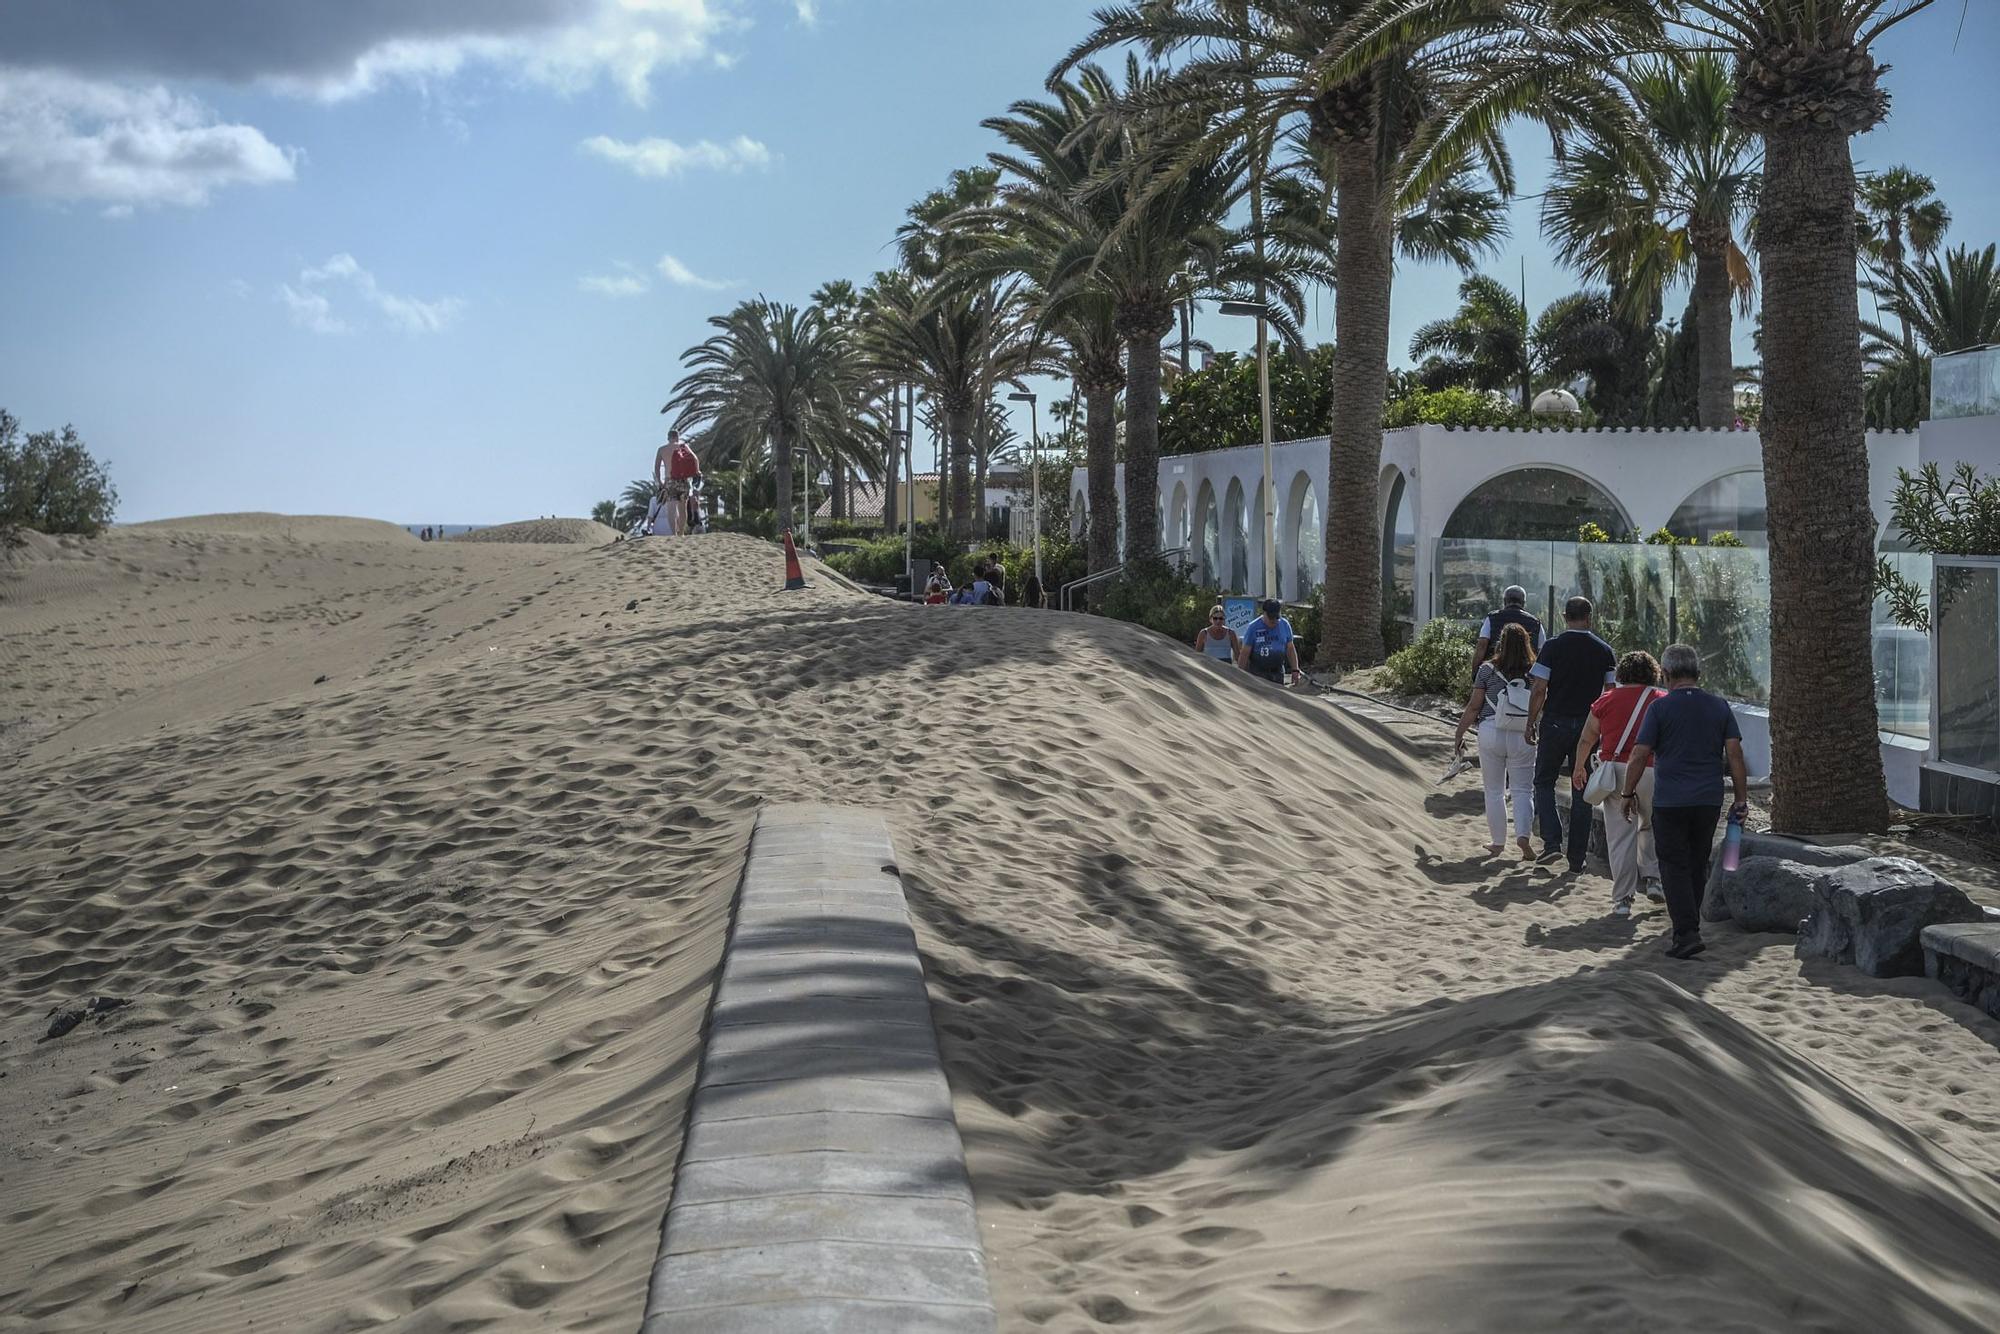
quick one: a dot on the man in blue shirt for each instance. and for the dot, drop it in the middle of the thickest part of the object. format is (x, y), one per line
(1267, 644)
(1689, 737)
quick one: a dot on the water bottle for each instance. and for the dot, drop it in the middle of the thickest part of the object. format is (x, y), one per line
(1732, 840)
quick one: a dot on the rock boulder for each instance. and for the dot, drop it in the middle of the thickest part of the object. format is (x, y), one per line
(1872, 914)
(1763, 894)
(1716, 900)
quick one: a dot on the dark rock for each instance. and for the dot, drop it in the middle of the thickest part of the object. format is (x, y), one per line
(1763, 894)
(67, 1018)
(633, 605)
(319, 680)
(1715, 901)
(1872, 914)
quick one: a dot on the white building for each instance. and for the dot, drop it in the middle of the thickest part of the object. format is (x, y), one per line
(1502, 502)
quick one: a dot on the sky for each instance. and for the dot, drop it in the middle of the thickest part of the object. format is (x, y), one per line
(436, 260)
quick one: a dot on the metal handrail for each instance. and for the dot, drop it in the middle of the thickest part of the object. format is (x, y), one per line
(1062, 594)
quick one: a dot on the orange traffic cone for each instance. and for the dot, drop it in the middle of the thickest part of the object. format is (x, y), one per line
(794, 576)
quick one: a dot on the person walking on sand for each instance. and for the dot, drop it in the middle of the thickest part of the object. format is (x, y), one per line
(1267, 648)
(1609, 736)
(1216, 640)
(1498, 704)
(1571, 671)
(1513, 611)
(674, 469)
(1690, 737)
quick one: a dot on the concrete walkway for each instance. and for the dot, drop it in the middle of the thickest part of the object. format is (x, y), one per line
(822, 1184)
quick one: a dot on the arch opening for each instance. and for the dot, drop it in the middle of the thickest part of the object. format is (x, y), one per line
(1535, 504)
(1237, 538)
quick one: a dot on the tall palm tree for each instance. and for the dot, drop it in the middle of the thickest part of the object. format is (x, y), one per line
(1052, 236)
(772, 371)
(1484, 345)
(1642, 219)
(1898, 206)
(1397, 108)
(1942, 307)
(1164, 189)
(1807, 81)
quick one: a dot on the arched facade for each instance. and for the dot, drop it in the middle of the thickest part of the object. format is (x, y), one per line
(1302, 562)
(1733, 503)
(1206, 538)
(1079, 514)
(1535, 502)
(1174, 531)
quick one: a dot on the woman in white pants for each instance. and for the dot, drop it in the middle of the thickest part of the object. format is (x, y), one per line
(1499, 705)
(1610, 734)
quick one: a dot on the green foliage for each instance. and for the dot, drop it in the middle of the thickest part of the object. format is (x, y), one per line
(1675, 398)
(49, 482)
(1898, 394)
(1161, 597)
(1437, 662)
(1959, 517)
(879, 560)
(1908, 605)
(605, 512)
(1592, 532)
(1220, 406)
(1456, 406)
(1725, 538)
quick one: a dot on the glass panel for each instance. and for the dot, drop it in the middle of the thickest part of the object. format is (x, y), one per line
(1966, 619)
(1473, 572)
(1902, 659)
(1627, 585)
(1966, 384)
(1311, 548)
(1732, 504)
(1724, 599)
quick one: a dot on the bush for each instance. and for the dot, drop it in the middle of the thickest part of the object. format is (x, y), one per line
(1161, 597)
(1456, 406)
(50, 483)
(1437, 662)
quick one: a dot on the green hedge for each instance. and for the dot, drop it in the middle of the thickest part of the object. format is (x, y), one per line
(1438, 662)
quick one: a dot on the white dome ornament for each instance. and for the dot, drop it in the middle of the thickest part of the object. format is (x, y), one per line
(1557, 403)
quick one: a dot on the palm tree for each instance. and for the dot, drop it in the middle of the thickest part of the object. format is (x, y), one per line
(1900, 205)
(1052, 236)
(633, 502)
(1942, 307)
(1397, 109)
(1641, 219)
(772, 371)
(1485, 345)
(1163, 190)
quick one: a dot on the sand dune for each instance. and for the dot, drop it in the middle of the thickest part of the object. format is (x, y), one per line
(575, 532)
(1242, 1033)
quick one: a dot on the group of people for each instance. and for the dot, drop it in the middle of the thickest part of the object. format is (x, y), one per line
(1639, 735)
(430, 534)
(986, 588)
(675, 507)
(1267, 648)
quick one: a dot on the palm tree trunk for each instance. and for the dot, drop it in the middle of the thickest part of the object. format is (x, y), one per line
(1351, 627)
(1100, 429)
(781, 469)
(980, 450)
(837, 510)
(1715, 400)
(958, 430)
(1826, 767)
(1142, 430)
(1186, 312)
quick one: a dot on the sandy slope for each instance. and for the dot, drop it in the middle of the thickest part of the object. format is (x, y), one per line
(1241, 1035)
(574, 532)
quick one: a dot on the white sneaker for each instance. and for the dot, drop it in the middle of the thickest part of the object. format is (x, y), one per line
(1655, 892)
(1621, 910)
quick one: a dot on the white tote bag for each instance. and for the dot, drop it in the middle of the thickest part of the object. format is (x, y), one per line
(1609, 774)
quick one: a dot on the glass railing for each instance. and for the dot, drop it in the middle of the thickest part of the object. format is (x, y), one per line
(1716, 598)
(1966, 384)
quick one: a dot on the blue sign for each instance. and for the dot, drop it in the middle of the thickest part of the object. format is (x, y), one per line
(1239, 612)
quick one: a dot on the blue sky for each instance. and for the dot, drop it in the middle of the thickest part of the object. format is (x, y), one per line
(435, 260)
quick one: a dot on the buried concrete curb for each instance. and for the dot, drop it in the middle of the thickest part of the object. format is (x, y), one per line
(822, 1181)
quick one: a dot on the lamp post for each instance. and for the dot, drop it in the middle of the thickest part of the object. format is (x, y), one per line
(1034, 477)
(1256, 310)
(900, 442)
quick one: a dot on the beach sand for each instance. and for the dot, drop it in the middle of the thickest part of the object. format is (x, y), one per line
(1243, 1035)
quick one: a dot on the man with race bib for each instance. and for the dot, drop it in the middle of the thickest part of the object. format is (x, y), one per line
(1268, 648)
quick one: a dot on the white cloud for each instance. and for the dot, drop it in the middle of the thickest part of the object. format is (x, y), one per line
(680, 275)
(627, 281)
(664, 157)
(808, 11)
(312, 309)
(73, 139)
(344, 48)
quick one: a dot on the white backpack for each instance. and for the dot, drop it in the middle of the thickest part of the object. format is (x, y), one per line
(1510, 714)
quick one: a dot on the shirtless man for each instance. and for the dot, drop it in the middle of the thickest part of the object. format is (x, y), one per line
(674, 469)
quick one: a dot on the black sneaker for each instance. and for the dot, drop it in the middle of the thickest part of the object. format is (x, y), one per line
(1576, 868)
(1686, 949)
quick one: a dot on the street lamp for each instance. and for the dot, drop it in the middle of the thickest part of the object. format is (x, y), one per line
(901, 443)
(1256, 310)
(1034, 479)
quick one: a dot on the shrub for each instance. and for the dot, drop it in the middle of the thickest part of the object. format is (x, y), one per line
(1161, 597)
(50, 483)
(1456, 406)
(1437, 662)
